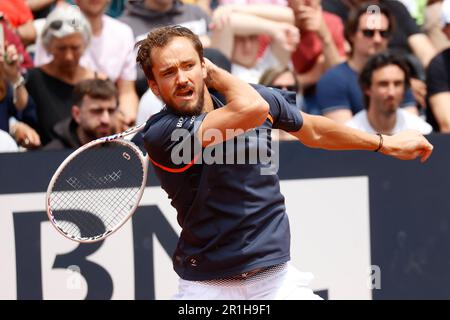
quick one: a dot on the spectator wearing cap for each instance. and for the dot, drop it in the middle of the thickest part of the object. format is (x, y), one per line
(65, 35)
(438, 81)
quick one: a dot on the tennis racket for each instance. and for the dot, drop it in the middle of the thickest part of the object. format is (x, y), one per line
(97, 188)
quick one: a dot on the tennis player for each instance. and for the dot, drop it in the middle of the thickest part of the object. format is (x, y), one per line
(235, 238)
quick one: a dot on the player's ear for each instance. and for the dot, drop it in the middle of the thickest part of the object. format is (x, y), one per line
(204, 70)
(154, 87)
(76, 114)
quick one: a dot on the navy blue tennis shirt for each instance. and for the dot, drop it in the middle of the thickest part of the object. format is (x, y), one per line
(233, 218)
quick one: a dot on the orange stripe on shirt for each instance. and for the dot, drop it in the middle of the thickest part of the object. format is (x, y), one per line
(180, 170)
(270, 118)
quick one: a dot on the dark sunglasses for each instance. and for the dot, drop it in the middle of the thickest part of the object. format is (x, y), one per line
(369, 33)
(288, 88)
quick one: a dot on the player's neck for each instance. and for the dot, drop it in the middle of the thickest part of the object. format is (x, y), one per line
(208, 104)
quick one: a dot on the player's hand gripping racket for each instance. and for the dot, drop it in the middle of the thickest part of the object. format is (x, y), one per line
(97, 188)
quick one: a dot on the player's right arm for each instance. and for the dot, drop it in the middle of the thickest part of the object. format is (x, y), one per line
(245, 108)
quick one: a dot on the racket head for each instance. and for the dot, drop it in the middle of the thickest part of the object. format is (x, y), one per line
(96, 189)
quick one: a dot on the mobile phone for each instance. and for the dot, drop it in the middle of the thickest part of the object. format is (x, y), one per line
(2, 39)
(2, 45)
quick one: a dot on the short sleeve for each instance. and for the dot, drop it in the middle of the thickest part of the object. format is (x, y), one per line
(129, 70)
(283, 108)
(171, 141)
(438, 75)
(408, 100)
(332, 92)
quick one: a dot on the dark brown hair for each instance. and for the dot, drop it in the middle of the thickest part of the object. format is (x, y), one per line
(95, 88)
(352, 23)
(159, 38)
(379, 61)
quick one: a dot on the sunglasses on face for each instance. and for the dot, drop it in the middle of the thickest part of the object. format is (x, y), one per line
(369, 33)
(288, 88)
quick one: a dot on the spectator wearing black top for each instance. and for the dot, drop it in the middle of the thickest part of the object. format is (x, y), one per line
(407, 36)
(438, 81)
(95, 107)
(66, 34)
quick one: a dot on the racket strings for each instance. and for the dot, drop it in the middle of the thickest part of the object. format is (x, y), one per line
(97, 190)
(86, 201)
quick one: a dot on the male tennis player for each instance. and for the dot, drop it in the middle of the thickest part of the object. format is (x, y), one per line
(235, 238)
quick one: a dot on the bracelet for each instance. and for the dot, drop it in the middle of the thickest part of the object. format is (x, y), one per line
(381, 142)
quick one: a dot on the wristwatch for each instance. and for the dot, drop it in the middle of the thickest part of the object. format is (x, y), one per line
(19, 83)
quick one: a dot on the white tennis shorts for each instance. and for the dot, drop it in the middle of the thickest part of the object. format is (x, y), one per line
(282, 283)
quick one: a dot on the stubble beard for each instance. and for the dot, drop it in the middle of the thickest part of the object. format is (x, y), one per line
(195, 111)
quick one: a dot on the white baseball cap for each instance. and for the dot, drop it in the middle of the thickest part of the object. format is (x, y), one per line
(445, 13)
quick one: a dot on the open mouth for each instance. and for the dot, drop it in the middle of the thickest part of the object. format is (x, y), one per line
(186, 93)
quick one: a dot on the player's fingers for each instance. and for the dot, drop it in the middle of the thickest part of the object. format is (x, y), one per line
(426, 154)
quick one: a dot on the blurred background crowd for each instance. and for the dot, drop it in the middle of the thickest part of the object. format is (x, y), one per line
(68, 70)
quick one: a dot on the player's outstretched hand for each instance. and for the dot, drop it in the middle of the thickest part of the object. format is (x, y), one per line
(407, 145)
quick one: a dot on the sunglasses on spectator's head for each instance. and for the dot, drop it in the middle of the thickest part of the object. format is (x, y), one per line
(57, 24)
(369, 33)
(288, 88)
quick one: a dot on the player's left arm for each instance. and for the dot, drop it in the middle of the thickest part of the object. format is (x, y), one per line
(320, 132)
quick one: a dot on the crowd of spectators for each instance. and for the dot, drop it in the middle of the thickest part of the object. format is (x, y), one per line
(68, 70)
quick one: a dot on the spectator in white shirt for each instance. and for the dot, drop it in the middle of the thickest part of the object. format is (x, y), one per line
(383, 81)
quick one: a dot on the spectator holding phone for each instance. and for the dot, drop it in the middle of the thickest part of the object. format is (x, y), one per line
(15, 103)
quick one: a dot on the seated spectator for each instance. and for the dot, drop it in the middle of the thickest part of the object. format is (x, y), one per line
(15, 101)
(438, 81)
(432, 25)
(19, 15)
(108, 36)
(322, 41)
(66, 35)
(282, 78)
(383, 80)
(321, 46)
(93, 112)
(338, 94)
(407, 37)
(145, 15)
(253, 43)
(115, 7)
